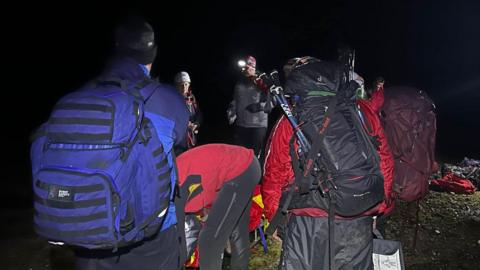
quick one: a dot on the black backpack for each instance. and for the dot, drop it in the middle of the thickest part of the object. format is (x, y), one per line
(337, 167)
(341, 172)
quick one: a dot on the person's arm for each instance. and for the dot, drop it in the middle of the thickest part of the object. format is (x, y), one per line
(278, 167)
(232, 107)
(264, 105)
(376, 100)
(198, 118)
(181, 126)
(167, 108)
(266, 102)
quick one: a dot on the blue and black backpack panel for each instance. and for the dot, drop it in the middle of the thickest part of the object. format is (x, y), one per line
(101, 178)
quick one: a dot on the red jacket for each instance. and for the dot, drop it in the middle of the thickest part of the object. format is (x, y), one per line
(371, 109)
(216, 164)
(278, 172)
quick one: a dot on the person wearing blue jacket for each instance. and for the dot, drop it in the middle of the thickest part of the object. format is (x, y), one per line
(135, 51)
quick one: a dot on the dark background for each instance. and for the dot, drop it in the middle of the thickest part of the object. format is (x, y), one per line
(431, 45)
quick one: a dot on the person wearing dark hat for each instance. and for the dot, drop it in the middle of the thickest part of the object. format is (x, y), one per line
(249, 110)
(135, 51)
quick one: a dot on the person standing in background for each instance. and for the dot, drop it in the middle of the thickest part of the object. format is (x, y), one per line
(183, 84)
(249, 110)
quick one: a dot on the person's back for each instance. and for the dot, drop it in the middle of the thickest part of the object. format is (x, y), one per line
(216, 184)
(164, 108)
(344, 154)
(228, 164)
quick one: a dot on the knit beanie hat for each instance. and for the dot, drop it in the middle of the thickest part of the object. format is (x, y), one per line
(135, 38)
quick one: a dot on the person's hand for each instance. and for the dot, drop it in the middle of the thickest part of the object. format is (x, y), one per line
(192, 126)
(231, 119)
(254, 107)
(231, 116)
(389, 200)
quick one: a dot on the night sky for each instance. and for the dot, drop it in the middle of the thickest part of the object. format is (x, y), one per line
(431, 45)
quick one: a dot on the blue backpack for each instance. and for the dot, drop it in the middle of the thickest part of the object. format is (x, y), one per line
(101, 178)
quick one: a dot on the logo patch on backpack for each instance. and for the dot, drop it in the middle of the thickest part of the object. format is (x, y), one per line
(60, 193)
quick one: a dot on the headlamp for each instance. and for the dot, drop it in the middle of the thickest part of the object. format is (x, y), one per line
(242, 64)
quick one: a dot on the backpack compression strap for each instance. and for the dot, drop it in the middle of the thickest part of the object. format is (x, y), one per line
(304, 183)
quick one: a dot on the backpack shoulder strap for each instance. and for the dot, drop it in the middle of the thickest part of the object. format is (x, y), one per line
(282, 212)
(364, 134)
(142, 90)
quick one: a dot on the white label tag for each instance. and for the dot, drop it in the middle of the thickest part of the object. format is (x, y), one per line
(387, 262)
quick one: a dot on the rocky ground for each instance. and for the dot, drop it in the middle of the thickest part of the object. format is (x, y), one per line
(448, 234)
(448, 237)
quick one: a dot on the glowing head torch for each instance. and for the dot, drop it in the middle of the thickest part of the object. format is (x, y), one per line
(242, 64)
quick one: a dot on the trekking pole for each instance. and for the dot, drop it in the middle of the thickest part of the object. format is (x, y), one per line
(271, 83)
(262, 239)
(351, 65)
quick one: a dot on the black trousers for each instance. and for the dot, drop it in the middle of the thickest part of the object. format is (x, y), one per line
(228, 221)
(253, 138)
(305, 244)
(159, 253)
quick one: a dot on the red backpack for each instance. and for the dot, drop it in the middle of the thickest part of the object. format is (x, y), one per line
(409, 120)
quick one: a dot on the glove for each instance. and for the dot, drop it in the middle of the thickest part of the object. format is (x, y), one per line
(232, 119)
(231, 116)
(254, 107)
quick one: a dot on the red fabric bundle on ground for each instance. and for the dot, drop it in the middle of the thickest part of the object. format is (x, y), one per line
(453, 183)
